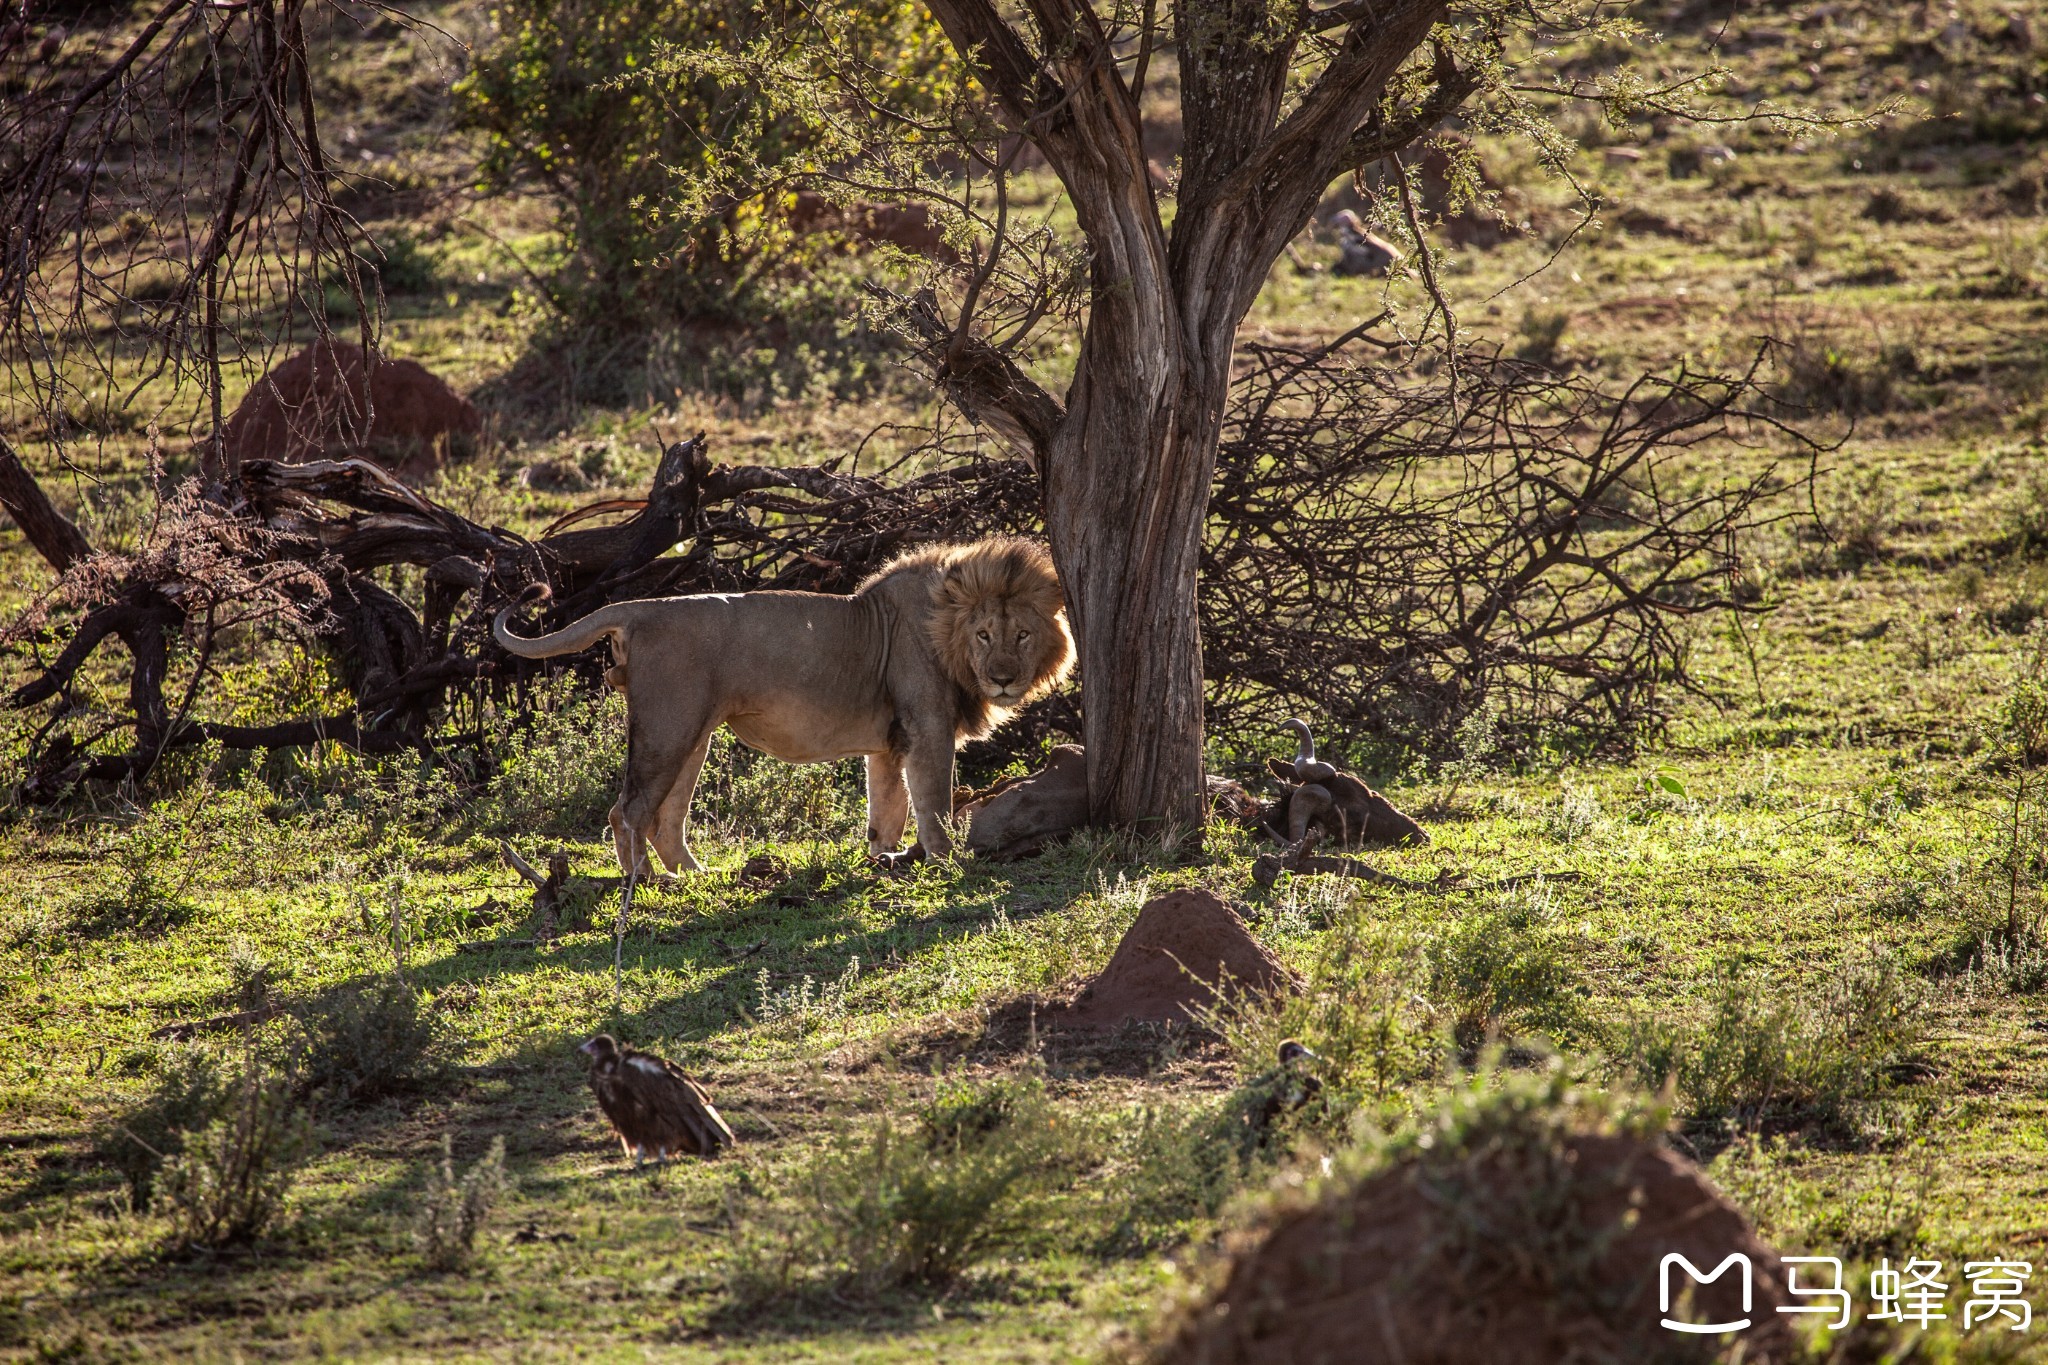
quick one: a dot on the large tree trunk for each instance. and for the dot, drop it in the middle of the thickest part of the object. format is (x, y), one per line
(1126, 495)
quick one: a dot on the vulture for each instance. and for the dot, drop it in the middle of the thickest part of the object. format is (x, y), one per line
(1280, 1091)
(1307, 768)
(656, 1109)
(1361, 251)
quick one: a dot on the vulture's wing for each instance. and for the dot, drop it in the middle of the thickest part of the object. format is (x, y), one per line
(678, 1111)
(690, 1108)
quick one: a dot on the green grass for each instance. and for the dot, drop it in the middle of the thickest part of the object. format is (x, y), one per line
(1836, 801)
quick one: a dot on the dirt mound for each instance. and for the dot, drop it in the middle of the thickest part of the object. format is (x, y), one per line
(1509, 1255)
(1184, 947)
(311, 407)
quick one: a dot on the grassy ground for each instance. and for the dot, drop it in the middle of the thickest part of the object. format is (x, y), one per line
(1791, 900)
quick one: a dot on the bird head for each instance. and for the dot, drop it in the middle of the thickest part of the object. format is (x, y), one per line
(1292, 1052)
(602, 1049)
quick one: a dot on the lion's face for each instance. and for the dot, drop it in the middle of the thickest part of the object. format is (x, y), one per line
(1013, 648)
(999, 623)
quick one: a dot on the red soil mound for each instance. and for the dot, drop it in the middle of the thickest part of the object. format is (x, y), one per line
(1183, 949)
(311, 407)
(1511, 1257)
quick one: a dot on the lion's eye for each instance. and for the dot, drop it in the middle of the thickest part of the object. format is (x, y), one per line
(982, 636)
(1022, 636)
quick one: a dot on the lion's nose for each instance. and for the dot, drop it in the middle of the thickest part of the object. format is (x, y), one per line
(1001, 679)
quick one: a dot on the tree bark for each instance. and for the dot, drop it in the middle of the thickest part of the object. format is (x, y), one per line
(1126, 501)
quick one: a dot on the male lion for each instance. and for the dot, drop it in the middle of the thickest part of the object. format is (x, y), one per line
(938, 648)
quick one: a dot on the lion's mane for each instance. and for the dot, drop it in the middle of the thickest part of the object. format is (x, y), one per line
(966, 577)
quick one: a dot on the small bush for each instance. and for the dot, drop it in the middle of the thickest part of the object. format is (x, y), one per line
(146, 898)
(2005, 963)
(1826, 379)
(1575, 815)
(399, 264)
(1505, 972)
(228, 1185)
(250, 976)
(560, 774)
(1768, 1057)
(1890, 205)
(751, 796)
(1863, 516)
(1929, 888)
(192, 1089)
(452, 1212)
(396, 265)
(2027, 513)
(2023, 721)
(364, 1042)
(1542, 333)
(900, 1205)
(1361, 1008)
(1171, 1169)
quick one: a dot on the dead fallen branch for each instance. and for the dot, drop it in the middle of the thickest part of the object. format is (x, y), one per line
(297, 551)
(1383, 554)
(1390, 554)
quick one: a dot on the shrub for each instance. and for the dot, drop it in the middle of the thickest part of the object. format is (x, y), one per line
(915, 1204)
(560, 773)
(362, 1043)
(1575, 814)
(192, 1089)
(1170, 1170)
(2010, 964)
(1863, 515)
(1769, 1057)
(1361, 1008)
(1825, 379)
(394, 265)
(2027, 513)
(1506, 971)
(655, 127)
(143, 899)
(1542, 332)
(452, 1212)
(228, 1184)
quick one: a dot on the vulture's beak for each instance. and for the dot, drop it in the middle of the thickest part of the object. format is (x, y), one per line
(589, 1049)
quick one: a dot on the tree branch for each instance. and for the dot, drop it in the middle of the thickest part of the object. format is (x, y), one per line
(1379, 139)
(59, 542)
(981, 381)
(1000, 58)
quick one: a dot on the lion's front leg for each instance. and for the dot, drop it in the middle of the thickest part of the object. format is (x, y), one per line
(931, 794)
(888, 803)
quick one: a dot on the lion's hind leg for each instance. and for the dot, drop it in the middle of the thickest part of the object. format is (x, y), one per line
(654, 799)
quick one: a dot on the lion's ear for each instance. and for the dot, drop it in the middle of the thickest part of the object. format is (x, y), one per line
(953, 588)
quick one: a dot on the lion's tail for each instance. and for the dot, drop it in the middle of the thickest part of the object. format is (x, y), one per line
(612, 620)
